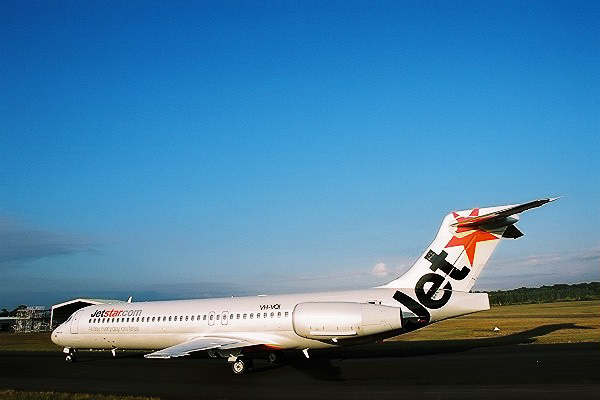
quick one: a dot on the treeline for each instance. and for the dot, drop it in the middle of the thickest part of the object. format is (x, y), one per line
(546, 294)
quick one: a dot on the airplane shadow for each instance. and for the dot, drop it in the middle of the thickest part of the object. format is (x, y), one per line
(320, 367)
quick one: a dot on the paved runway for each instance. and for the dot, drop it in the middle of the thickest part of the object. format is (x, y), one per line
(392, 370)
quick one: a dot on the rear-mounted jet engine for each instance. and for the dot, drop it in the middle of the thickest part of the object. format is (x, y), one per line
(339, 320)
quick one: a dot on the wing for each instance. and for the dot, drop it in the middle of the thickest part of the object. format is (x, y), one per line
(199, 344)
(498, 215)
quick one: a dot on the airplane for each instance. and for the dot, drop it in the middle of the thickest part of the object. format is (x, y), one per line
(435, 288)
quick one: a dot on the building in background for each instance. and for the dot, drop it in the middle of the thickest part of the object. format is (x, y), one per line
(62, 311)
(32, 319)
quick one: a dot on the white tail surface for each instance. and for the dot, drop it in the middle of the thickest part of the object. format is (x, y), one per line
(462, 247)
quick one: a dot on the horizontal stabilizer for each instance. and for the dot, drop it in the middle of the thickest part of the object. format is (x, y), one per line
(498, 215)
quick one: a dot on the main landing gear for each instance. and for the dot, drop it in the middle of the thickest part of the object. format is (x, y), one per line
(70, 356)
(241, 365)
(275, 357)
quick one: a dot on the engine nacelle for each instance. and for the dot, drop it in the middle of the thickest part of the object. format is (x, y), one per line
(339, 320)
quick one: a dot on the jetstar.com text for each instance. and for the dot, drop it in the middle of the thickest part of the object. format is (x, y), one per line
(116, 313)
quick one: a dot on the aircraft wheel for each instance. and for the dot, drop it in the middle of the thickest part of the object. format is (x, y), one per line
(70, 358)
(241, 365)
(274, 357)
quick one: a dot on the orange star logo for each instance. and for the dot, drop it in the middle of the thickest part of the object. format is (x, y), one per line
(469, 237)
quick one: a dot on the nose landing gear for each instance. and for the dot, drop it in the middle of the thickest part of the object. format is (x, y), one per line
(70, 356)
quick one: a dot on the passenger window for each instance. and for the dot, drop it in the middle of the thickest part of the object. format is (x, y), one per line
(286, 313)
(112, 320)
(198, 318)
(257, 315)
(211, 317)
(217, 317)
(245, 315)
(192, 318)
(279, 315)
(170, 317)
(251, 315)
(186, 317)
(137, 319)
(238, 316)
(204, 317)
(90, 321)
(265, 315)
(272, 314)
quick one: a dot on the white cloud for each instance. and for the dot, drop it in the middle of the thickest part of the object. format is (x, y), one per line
(380, 270)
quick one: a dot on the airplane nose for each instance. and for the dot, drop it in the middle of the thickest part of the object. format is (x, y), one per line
(56, 335)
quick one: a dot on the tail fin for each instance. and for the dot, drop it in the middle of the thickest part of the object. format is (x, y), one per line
(463, 245)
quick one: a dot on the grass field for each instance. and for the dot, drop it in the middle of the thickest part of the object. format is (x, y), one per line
(564, 322)
(17, 395)
(576, 321)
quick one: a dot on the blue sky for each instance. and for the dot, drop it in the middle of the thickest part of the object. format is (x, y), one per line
(193, 149)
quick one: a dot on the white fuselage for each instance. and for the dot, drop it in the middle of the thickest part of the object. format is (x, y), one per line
(264, 319)
(436, 287)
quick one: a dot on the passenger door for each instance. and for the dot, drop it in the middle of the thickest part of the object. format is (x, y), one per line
(75, 321)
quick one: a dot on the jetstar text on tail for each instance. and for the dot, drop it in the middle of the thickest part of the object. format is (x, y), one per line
(427, 298)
